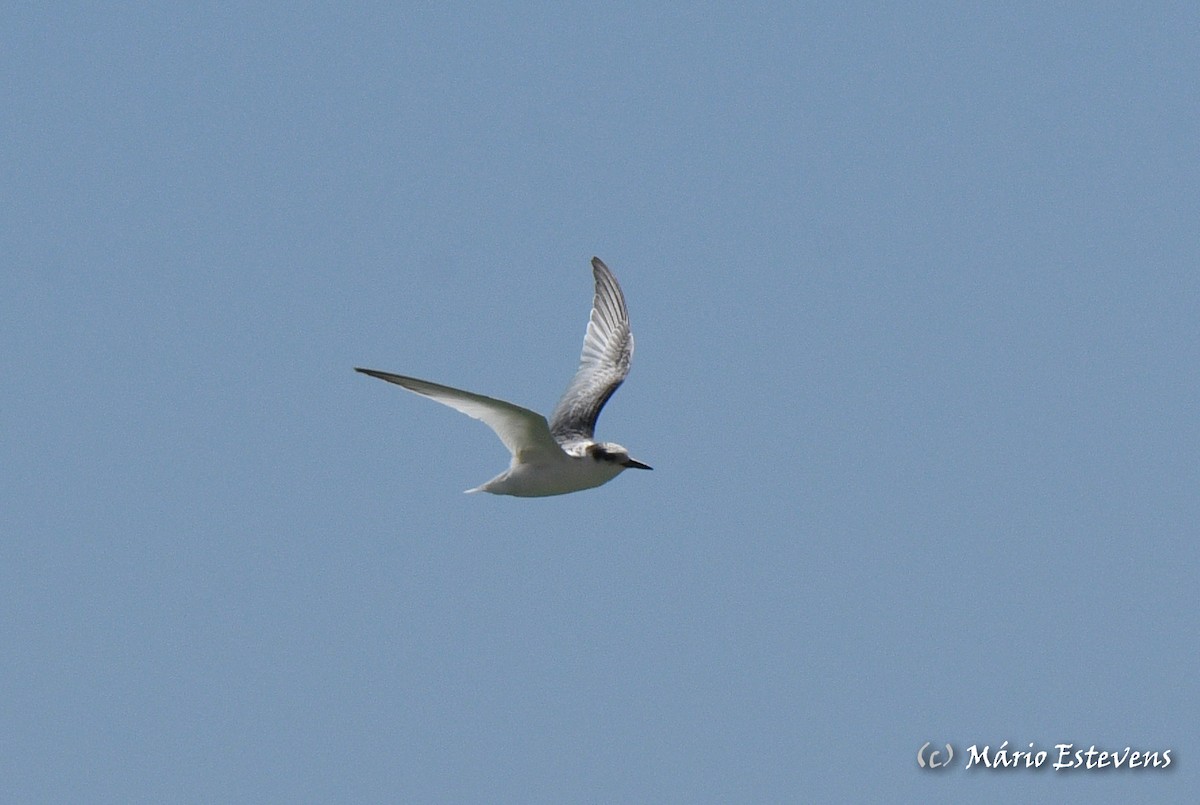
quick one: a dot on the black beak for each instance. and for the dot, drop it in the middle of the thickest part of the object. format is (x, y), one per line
(635, 464)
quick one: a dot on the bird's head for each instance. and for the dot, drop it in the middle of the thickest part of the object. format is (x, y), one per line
(615, 454)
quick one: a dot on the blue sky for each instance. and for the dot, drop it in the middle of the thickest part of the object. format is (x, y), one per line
(915, 297)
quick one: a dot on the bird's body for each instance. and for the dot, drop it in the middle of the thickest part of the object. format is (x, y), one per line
(562, 455)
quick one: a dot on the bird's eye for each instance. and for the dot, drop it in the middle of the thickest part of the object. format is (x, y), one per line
(601, 454)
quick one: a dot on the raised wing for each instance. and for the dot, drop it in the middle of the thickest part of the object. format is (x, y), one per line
(607, 351)
(524, 432)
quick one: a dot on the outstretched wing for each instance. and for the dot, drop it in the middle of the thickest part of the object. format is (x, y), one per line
(607, 351)
(524, 432)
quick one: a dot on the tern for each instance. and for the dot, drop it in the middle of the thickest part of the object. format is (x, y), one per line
(562, 455)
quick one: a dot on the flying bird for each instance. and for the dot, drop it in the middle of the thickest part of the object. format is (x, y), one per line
(562, 455)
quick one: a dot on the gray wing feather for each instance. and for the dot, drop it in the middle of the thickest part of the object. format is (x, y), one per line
(524, 432)
(604, 364)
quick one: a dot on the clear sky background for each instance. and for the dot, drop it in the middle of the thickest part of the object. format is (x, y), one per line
(916, 295)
